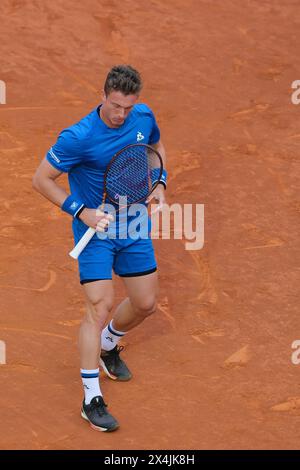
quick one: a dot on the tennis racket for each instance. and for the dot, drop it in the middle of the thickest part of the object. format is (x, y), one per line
(133, 172)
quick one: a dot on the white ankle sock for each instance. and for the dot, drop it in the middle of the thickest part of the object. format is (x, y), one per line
(90, 380)
(110, 337)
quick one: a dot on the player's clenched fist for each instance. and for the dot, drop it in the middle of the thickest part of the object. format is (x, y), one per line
(96, 219)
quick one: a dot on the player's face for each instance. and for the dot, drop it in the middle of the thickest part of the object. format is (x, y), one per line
(116, 107)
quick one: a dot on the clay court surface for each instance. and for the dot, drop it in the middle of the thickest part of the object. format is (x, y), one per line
(212, 369)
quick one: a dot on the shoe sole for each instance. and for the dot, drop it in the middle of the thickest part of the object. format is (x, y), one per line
(98, 428)
(111, 376)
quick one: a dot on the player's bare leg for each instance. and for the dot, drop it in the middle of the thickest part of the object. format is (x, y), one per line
(99, 296)
(140, 304)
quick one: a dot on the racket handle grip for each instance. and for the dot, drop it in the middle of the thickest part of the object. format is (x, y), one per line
(82, 243)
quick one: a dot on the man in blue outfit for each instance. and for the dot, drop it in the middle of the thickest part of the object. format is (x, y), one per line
(84, 151)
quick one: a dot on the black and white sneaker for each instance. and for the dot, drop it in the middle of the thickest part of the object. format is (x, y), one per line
(113, 365)
(98, 416)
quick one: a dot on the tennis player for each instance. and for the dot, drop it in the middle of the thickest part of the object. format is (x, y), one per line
(84, 151)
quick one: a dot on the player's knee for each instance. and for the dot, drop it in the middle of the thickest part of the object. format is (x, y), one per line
(98, 311)
(146, 308)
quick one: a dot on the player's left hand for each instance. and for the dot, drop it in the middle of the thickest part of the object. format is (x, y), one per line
(159, 196)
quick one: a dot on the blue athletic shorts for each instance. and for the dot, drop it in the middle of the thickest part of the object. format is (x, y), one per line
(127, 257)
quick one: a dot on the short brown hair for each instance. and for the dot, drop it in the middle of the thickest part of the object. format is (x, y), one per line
(123, 78)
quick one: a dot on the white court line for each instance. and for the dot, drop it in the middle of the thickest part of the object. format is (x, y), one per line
(2, 352)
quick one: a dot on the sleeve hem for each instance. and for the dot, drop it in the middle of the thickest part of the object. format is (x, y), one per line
(52, 163)
(154, 143)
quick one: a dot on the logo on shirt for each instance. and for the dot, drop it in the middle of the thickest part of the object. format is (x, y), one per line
(139, 136)
(54, 156)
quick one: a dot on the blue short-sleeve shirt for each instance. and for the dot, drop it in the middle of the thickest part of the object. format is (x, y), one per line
(85, 149)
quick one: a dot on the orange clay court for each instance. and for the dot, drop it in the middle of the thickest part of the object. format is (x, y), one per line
(212, 368)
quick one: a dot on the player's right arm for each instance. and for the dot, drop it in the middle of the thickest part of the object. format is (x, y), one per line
(44, 181)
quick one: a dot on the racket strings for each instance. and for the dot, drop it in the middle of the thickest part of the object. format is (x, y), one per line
(132, 174)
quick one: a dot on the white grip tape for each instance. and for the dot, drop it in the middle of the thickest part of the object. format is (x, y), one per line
(82, 243)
